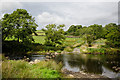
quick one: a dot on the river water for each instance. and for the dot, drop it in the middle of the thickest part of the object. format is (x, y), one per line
(106, 65)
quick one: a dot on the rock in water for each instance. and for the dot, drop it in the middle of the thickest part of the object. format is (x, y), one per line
(76, 50)
(71, 75)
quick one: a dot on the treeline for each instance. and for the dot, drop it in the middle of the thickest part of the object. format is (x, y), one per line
(20, 25)
(111, 32)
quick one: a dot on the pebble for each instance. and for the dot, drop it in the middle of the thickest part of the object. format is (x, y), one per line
(83, 73)
(31, 62)
(34, 62)
(92, 75)
(46, 59)
(71, 75)
(56, 53)
(114, 67)
(47, 56)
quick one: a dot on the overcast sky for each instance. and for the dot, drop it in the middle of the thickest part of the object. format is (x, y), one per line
(68, 13)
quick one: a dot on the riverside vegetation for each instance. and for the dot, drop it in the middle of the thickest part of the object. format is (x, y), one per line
(20, 38)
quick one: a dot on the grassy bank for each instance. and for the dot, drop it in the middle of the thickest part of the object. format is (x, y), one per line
(22, 69)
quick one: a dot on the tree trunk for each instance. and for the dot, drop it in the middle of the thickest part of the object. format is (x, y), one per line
(18, 40)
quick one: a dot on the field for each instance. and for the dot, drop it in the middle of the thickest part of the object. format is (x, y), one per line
(39, 39)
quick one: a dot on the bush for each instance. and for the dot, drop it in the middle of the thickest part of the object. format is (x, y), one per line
(68, 49)
(93, 50)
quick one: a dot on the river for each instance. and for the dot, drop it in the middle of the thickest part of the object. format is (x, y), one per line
(106, 65)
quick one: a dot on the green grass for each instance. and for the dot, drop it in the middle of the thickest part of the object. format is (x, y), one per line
(96, 50)
(22, 69)
(72, 41)
(39, 39)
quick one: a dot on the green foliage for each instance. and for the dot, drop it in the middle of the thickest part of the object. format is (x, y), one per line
(113, 35)
(15, 47)
(82, 31)
(109, 28)
(95, 30)
(19, 24)
(92, 33)
(89, 39)
(22, 69)
(96, 50)
(72, 29)
(54, 35)
(68, 49)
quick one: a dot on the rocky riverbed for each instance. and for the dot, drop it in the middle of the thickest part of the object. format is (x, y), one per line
(81, 74)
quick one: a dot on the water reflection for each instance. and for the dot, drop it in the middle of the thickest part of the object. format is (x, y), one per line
(98, 64)
(38, 57)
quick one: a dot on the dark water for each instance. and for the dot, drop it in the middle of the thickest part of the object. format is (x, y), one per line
(38, 57)
(97, 64)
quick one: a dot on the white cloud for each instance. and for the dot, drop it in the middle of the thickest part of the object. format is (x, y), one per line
(9, 6)
(47, 18)
(86, 13)
(60, 0)
(1, 15)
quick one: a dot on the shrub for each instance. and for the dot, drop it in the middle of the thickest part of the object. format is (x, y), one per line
(94, 50)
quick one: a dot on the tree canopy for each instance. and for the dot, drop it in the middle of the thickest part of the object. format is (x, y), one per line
(72, 29)
(19, 24)
(112, 34)
(54, 35)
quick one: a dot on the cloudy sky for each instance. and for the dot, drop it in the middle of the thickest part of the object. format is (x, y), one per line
(85, 12)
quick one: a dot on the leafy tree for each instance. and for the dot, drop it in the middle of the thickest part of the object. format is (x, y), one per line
(92, 33)
(54, 35)
(82, 31)
(112, 35)
(95, 30)
(89, 39)
(72, 29)
(108, 28)
(19, 24)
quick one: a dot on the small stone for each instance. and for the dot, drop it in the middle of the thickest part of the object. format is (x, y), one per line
(71, 75)
(56, 53)
(36, 61)
(114, 67)
(47, 56)
(53, 56)
(83, 73)
(46, 59)
(31, 62)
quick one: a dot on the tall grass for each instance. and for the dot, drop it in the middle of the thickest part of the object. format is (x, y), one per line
(22, 69)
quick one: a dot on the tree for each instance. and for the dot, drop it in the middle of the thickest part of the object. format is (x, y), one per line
(109, 28)
(19, 24)
(89, 39)
(96, 30)
(112, 35)
(82, 31)
(54, 35)
(92, 33)
(73, 29)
